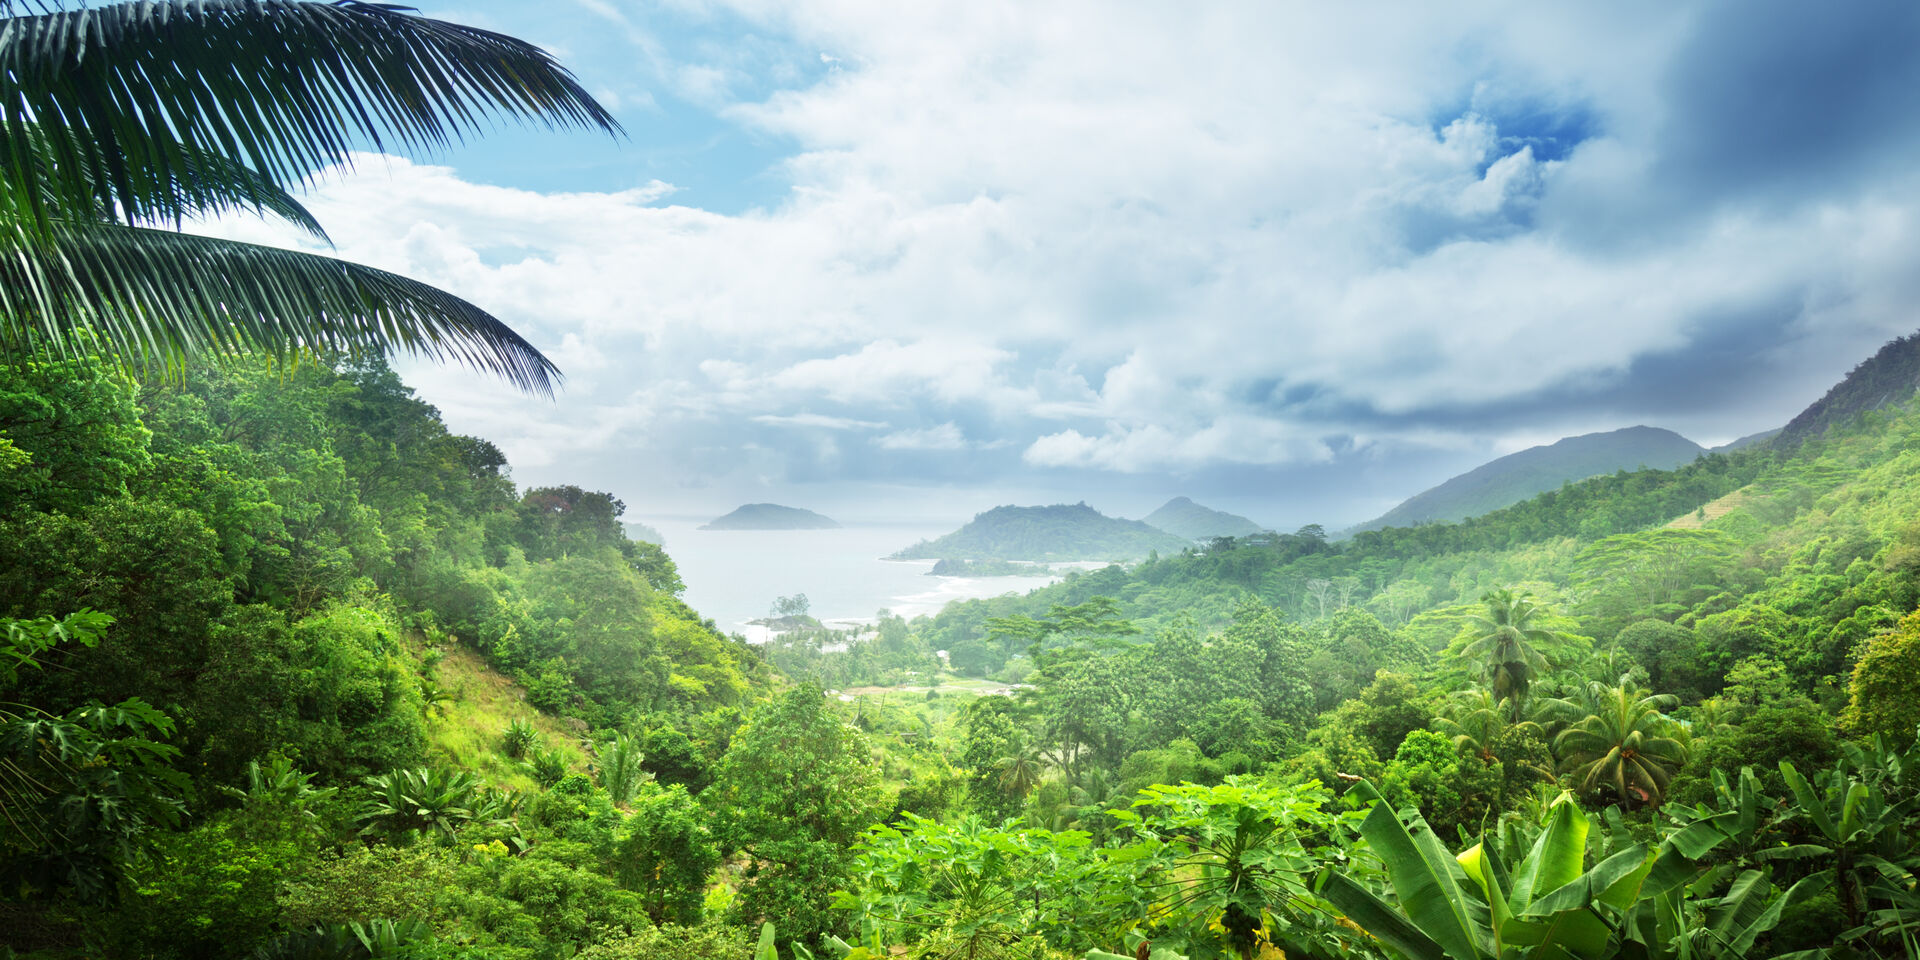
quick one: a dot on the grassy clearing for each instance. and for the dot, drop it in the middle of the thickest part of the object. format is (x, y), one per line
(1714, 510)
(468, 733)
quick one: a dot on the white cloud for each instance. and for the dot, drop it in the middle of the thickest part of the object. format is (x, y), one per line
(946, 436)
(818, 420)
(1152, 447)
(1126, 238)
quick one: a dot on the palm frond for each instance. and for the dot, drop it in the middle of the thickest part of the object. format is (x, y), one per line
(204, 183)
(155, 297)
(283, 86)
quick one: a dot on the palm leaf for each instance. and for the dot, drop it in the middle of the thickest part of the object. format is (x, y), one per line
(284, 87)
(155, 297)
(206, 183)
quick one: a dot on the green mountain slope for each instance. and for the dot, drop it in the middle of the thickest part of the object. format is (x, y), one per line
(1517, 476)
(1889, 376)
(1059, 532)
(771, 516)
(1795, 555)
(1184, 518)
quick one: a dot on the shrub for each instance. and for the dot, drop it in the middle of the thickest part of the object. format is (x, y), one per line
(620, 771)
(681, 943)
(547, 767)
(396, 882)
(520, 739)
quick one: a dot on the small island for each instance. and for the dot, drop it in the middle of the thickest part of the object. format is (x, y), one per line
(771, 516)
(989, 568)
(1059, 532)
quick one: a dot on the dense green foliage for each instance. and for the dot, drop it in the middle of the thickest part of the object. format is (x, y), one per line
(1059, 532)
(235, 604)
(1613, 643)
(1890, 376)
(255, 574)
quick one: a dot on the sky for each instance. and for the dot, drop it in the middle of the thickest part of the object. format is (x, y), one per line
(1295, 260)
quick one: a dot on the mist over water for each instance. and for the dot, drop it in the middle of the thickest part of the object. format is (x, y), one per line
(734, 576)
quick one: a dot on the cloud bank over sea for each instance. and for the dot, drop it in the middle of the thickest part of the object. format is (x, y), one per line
(1295, 261)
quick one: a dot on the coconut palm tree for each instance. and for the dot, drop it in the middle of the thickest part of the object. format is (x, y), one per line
(1473, 720)
(1627, 744)
(1479, 727)
(120, 123)
(1020, 770)
(1508, 636)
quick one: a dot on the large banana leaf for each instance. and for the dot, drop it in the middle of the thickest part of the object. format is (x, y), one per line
(1428, 883)
(158, 296)
(1553, 897)
(1380, 918)
(1550, 904)
(1558, 854)
(131, 97)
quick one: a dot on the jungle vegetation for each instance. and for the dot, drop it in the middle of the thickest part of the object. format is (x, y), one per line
(259, 621)
(288, 669)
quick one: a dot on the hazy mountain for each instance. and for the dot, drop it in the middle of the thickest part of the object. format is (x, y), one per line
(1184, 518)
(1517, 476)
(1059, 532)
(771, 516)
(1889, 376)
(1750, 440)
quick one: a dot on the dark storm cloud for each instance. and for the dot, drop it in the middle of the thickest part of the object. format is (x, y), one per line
(1788, 102)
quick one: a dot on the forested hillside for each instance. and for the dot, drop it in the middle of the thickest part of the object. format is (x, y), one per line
(1888, 377)
(292, 665)
(1722, 654)
(1517, 476)
(235, 603)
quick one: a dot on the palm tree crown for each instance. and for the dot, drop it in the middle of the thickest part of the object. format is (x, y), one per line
(1506, 646)
(1627, 744)
(118, 123)
(1020, 770)
(1474, 721)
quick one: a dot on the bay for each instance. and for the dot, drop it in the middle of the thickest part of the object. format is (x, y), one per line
(734, 576)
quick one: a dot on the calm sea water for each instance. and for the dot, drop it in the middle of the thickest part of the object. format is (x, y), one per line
(735, 576)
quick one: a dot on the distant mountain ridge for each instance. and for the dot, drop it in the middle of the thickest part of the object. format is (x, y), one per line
(1059, 532)
(1184, 518)
(1535, 470)
(771, 516)
(1889, 376)
(1750, 440)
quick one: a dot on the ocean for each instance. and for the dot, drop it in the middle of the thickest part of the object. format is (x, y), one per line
(734, 576)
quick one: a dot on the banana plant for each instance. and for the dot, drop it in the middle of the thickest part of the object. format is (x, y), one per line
(1751, 907)
(1485, 905)
(1856, 831)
